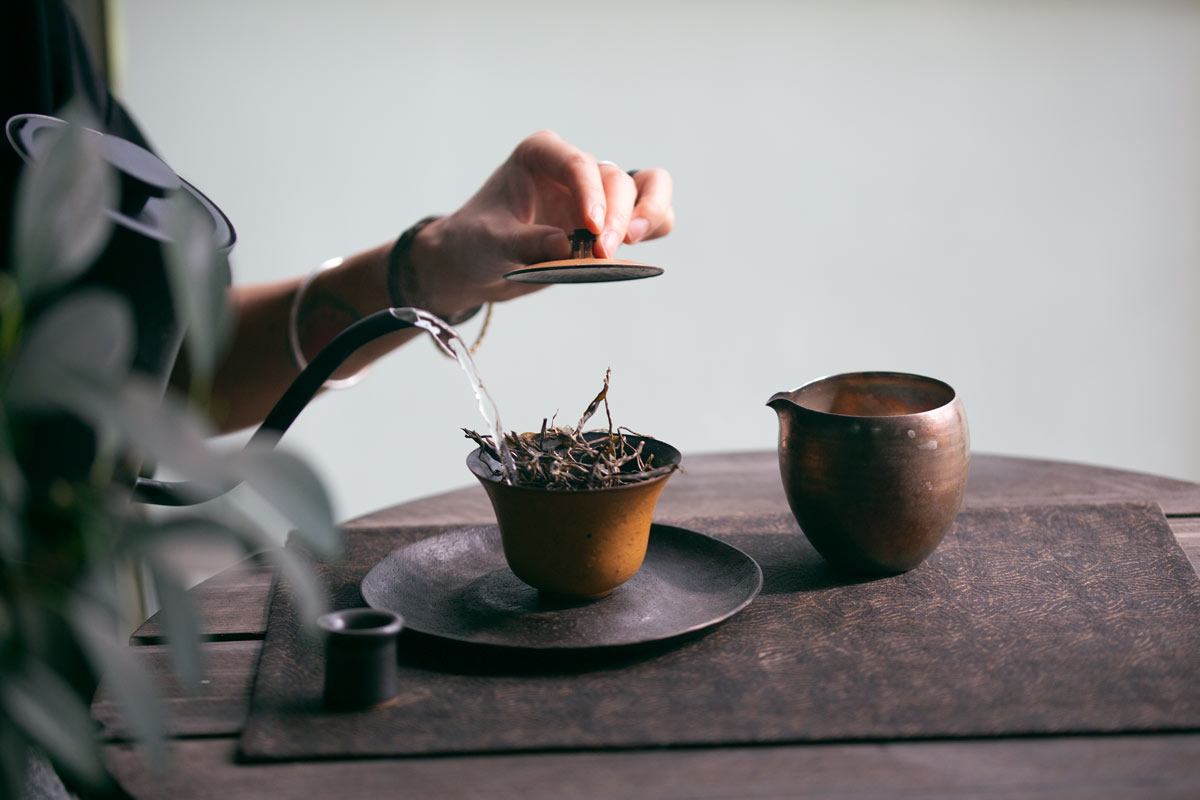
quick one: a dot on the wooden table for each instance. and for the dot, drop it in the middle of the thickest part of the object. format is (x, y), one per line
(234, 605)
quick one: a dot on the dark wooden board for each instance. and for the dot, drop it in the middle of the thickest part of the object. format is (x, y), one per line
(232, 605)
(216, 707)
(1187, 531)
(1058, 619)
(1105, 768)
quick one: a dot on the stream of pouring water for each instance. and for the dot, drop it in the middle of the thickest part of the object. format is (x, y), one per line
(448, 339)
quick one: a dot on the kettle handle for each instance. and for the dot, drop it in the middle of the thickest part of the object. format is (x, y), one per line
(289, 406)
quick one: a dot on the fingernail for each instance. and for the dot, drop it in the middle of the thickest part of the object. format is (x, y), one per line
(637, 229)
(611, 242)
(597, 215)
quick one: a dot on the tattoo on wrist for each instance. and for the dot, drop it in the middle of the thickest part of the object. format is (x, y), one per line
(322, 316)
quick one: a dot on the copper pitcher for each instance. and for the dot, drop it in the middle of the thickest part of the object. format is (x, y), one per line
(874, 465)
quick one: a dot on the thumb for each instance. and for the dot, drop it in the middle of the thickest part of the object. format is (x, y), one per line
(532, 244)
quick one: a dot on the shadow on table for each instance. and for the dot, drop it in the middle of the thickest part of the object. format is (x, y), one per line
(790, 565)
(439, 655)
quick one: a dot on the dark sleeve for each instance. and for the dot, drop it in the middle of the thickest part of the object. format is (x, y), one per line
(43, 64)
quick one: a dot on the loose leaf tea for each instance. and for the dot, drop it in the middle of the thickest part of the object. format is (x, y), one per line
(569, 458)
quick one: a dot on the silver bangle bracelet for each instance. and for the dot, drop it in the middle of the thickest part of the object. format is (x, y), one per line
(293, 328)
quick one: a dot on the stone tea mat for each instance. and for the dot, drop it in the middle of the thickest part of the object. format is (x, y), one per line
(1029, 620)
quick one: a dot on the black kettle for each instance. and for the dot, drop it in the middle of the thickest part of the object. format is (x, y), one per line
(146, 185)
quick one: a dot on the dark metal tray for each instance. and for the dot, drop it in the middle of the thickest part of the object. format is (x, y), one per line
(457, 586)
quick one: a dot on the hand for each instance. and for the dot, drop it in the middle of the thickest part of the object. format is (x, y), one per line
(522, 215)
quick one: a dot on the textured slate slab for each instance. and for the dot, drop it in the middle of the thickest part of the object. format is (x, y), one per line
(1030, 620)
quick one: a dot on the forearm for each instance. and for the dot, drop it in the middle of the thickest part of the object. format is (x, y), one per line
(520, 216)
(260, 364)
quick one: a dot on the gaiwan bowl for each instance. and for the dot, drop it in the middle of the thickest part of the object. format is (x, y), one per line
(575, 543)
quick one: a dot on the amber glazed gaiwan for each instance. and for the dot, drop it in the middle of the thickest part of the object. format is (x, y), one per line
(874, 465)
(575, 543)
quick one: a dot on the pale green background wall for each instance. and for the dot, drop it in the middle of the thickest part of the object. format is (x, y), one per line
(1003, 195)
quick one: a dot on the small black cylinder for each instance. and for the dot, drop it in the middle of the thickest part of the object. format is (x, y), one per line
(360, 657)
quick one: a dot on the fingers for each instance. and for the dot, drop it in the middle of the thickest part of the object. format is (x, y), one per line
(620, 191)
(531, 244)
(526, 244)
(653, 215)
(544, 153)
(612, 205)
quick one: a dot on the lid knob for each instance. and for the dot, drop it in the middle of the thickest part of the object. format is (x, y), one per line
(582, 240)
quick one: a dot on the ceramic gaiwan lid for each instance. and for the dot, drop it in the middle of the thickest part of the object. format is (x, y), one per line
(583, 267)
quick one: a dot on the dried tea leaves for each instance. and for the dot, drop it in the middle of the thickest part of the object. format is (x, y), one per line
(571, 459)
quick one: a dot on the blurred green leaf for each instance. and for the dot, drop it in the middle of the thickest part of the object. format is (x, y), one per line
(7, 621)
(12, 479)
(297, 576)
(12, 315)
(49, 712)
(167, 430)
(124, 676)
(137, 415)
(291, 486)
(223, 520)
(88, 334)
(199, 277)
(173, 529)
(12, 498)
(75, 356)
(14, 759)
(61, 220)
(293, 566)
(178, 614)
(12, 543)
(98, 589)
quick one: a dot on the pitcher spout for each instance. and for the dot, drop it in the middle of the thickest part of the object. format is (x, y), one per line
(781, 401)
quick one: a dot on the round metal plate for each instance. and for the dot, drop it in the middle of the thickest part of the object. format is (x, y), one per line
(583, 270)
(457, 586)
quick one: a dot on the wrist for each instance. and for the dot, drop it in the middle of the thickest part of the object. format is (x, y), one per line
(413, 268)
(404, 290)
